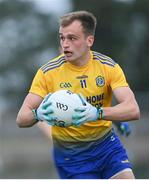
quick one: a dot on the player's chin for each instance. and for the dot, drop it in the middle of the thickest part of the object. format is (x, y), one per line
(69, 57)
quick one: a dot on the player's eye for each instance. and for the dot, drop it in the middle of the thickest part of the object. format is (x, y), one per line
(62, 38)
(72, 38)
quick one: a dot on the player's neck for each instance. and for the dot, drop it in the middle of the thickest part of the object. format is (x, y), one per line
(83, 60)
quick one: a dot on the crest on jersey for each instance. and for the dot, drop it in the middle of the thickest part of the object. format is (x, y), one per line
(100, 81)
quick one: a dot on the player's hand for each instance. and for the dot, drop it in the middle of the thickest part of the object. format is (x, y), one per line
(86, 113)
(45, 111)
(123, 128)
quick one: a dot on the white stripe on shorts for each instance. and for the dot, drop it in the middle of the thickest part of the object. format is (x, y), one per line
(127, 169)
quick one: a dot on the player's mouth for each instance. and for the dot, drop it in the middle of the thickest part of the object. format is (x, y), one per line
(68, 53)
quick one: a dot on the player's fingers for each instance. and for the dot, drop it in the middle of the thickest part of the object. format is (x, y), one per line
(82, 99)
(79, 122)
(46, 104)
(49, 110)
(51, 123)
(80, 109)
(49, 118)
(77, 116)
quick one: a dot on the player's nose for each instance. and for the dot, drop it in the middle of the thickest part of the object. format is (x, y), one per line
(65, 44)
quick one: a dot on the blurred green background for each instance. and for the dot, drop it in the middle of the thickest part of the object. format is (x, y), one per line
(29, 38)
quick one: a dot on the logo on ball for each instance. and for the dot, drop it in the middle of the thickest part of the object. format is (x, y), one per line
(61, 106)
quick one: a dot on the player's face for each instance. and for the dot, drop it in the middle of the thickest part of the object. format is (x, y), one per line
(75, 44)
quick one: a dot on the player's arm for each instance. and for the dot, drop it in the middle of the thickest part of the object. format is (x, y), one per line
(127, 108)
(25, 117)
(35, 109)
(45, 128)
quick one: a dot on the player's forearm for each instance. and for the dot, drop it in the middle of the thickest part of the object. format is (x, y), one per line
(122, 112)
(45, 128)
(25, 118)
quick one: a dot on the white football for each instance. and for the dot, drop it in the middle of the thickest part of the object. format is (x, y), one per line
(64, 102)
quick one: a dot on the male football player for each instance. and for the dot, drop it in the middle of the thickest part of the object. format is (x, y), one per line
(89, 149)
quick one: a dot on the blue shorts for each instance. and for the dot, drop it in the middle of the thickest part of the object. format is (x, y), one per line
(102, 160)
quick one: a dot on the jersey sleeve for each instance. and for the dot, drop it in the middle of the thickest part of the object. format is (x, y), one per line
(117, 78)
(38, 85)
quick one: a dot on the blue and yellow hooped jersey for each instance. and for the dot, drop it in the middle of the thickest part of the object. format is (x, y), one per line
(95, 81)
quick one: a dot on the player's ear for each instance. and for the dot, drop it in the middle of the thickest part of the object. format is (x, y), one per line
(90, 40)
